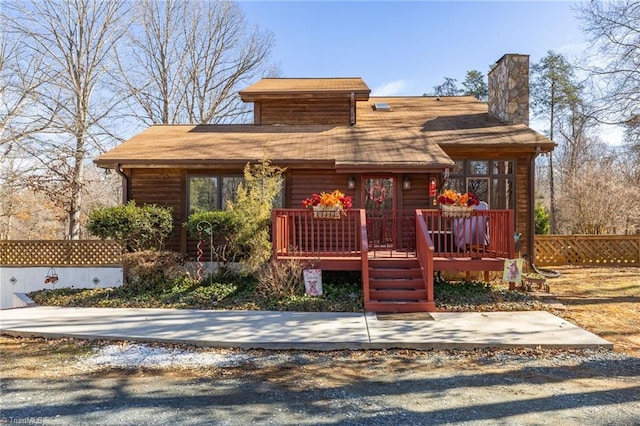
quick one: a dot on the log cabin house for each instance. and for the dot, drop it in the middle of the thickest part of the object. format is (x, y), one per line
(393, 155)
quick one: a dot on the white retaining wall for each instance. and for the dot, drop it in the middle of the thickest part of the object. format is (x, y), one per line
(27, 279)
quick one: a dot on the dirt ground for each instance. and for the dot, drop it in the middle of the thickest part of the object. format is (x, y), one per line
(604, 301)
(43, 383)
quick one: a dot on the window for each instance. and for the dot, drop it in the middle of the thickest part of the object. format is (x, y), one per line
(215, 192)
(491, 180)
(479, 186)
(203, 194)
(229, 189)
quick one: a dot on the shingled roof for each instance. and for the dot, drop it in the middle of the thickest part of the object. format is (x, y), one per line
(302, 87)
(411, 135)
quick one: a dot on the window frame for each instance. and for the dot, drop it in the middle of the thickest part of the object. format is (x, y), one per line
(219, 177)
(462, 173)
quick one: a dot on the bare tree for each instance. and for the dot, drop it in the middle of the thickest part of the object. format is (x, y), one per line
(599, 200)
(19, 120)
(577, 141)
(186, 60)
(72, 41)
(614, 30)
(19, 84)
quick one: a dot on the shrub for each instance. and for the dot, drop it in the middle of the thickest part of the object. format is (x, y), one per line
(253, 205)
(152, 270)
(543, 220)
(219, 230)
(134, 228)
(280, 279)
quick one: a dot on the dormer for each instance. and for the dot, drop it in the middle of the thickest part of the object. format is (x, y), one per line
(325, 101)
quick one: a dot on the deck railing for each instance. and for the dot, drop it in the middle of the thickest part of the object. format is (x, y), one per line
(485, 234)
(296, 232)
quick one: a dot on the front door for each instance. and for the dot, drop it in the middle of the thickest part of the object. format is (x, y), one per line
(379, 202)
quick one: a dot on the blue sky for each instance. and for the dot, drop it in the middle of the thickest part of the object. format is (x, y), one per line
(406, 48)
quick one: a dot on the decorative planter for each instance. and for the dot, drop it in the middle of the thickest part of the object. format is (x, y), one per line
(321, 212)
(449, 210)
(540, 283)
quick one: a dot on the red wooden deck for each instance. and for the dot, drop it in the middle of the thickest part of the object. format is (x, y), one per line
(385, 244)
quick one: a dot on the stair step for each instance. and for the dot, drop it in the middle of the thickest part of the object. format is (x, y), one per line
(397, 295)
(378, 306)
(395, 273)
(396, 283)
(394, 263)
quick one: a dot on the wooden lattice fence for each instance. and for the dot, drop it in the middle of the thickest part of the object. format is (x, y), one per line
(60, 253)
(549, 250)
(587, 250)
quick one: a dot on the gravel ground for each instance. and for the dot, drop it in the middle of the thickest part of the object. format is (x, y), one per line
(134, 384)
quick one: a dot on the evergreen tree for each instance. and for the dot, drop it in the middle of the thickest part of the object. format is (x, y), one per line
(255, 197)
(475, 85)
(552, 91)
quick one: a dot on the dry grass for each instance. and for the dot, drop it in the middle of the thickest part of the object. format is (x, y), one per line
(604, 301)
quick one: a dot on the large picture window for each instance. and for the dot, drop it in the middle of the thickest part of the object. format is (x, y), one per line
(491, 180)
(208, 193)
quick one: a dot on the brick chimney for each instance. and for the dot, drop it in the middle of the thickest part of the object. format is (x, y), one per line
(509, 89)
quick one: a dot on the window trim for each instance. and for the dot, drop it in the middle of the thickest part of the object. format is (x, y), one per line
(219, 188)
(463, 175)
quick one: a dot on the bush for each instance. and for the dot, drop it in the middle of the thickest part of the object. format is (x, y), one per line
(221, 236)
(543, 220)
(253, 204)
(280, 279)
(134, 228)
(152, 270)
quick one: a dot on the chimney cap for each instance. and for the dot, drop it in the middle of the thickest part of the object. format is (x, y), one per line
(508, 55)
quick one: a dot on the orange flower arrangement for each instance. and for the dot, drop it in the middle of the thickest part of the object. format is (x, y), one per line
(329, 200)
(454, 198)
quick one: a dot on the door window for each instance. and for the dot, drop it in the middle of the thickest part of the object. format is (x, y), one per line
(378, 193)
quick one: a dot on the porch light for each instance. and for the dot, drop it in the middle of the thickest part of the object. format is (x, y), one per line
(351, 183)
(406, 183)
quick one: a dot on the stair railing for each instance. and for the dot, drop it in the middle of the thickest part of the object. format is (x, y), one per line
(424, 252)
(364, 255)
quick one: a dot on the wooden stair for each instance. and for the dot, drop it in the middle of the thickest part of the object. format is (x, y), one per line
(396, 285)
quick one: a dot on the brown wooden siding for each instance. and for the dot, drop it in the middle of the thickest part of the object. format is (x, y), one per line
(163, 187)
(166, 187)
(301, 184)
(316, 111)
(305, 183)
(418, 196)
